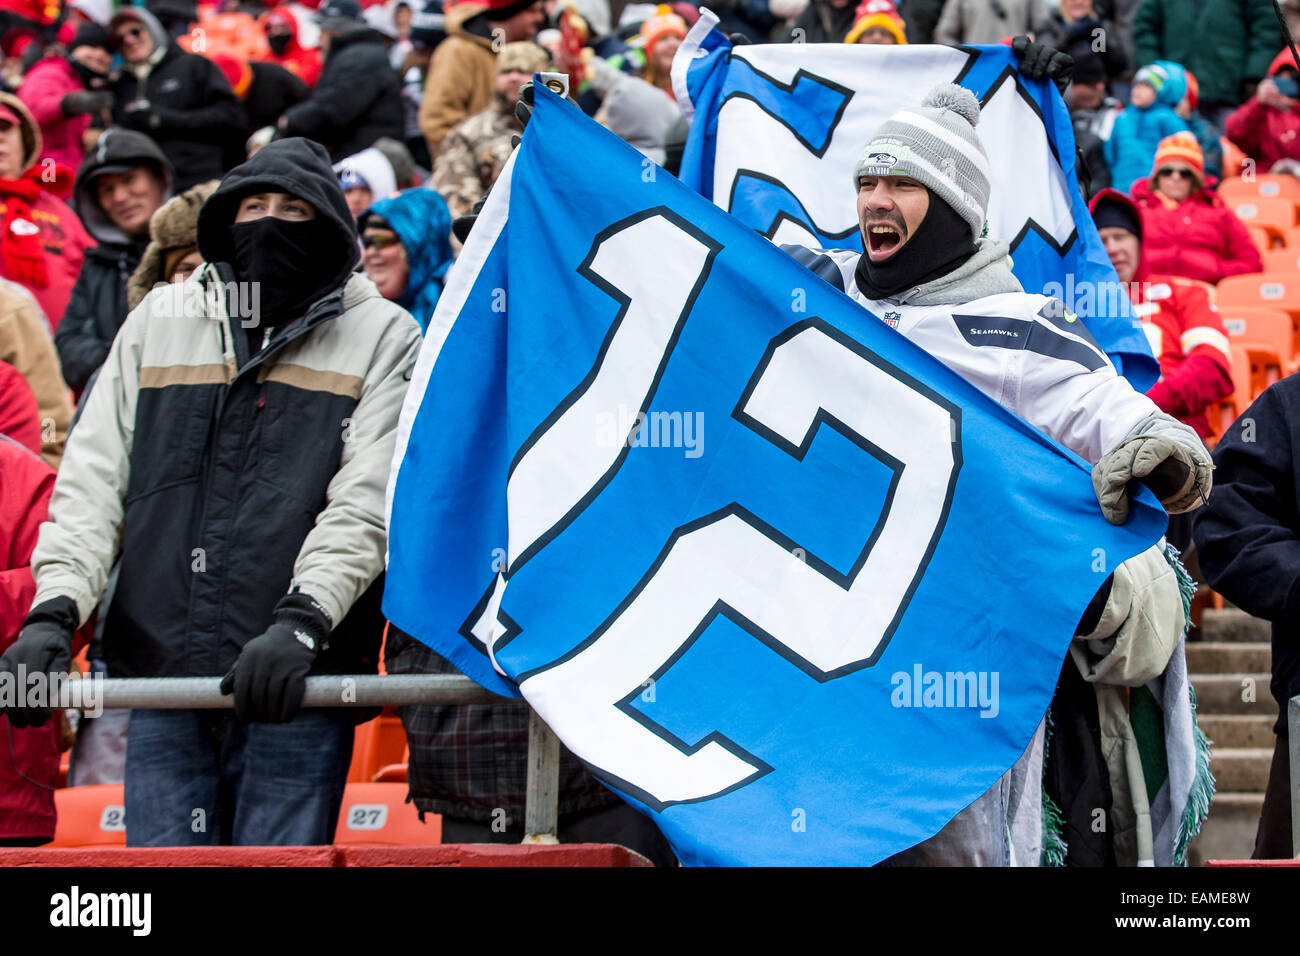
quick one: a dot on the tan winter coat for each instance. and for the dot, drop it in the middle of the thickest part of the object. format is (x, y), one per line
(460, 77)
(25, 343)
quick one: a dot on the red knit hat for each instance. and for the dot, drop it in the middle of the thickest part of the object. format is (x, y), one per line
(1179, 148)
(1193, 89)
(663, 22)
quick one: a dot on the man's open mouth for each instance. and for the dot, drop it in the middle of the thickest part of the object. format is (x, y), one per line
(883, 239)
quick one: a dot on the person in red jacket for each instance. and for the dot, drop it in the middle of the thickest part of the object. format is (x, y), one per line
(63, 92)
(1267, 126)
(1189, 231)
(281, 28)
(1186, 334)
(20, 416)
(42, 242)
(29, 758)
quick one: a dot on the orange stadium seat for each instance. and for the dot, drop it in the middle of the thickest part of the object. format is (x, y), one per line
(1272, 290)
(1255, 327)
(378, 744)
(1266, 186)
(1286, 259)
(377, 814)
(90, 816)
(1265, 241)
(1274, 213)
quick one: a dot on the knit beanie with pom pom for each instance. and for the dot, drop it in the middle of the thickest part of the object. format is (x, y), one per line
(936, 145)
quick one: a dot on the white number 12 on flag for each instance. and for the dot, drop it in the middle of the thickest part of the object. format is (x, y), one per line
(825, 621)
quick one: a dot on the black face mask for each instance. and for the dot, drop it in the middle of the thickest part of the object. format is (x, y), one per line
(279, 42)
(90, 79)
(294, 264)
(941, 243)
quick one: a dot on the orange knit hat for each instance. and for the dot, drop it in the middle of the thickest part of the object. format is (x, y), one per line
(659, 25)
(1179, 148)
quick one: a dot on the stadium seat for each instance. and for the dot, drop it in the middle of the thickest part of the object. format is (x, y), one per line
(378, 743)
(1274, 213)
(1272, 290)
(1286, 259)
(1265, 241)
(1234, 160)
(1258, 328)
(1267, 186)
(90, 816)
(377, 814)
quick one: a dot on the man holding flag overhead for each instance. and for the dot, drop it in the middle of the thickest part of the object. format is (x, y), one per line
(723, 635)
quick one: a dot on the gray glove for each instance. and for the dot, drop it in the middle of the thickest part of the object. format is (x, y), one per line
(1162, 453)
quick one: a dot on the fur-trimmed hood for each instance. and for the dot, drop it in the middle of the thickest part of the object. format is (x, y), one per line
(174, 226)
(31, 130)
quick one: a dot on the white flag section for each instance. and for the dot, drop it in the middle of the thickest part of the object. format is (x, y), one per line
(777, 129)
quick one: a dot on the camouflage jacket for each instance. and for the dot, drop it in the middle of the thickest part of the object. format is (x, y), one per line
(472, 155)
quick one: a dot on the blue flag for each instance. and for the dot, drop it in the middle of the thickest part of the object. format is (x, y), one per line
(780, 578)
(776, 130)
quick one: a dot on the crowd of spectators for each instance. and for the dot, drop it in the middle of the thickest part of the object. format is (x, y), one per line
(368, 128)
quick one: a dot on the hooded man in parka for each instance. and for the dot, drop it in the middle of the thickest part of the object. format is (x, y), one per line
(233, 456)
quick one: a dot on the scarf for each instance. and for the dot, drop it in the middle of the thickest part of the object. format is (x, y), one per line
(941, 243)
(21, 252)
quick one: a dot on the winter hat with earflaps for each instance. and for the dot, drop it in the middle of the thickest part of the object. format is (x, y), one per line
(935, 144)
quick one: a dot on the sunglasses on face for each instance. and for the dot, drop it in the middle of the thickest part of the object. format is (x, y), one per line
(378, 242)
(1180, 173)
(133, 32)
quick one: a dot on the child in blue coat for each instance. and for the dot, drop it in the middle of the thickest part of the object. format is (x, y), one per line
(1141, 126)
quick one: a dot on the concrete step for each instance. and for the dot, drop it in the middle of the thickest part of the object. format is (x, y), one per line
(1229, 657)
(1231, 693)
(1241, 769)
(1237, 730)
(1229, 830)
(1232, 624)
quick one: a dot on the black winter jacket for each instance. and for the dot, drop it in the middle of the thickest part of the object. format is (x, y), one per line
(192, 115)
(357, 100)
(1248, 536)
(97, 306)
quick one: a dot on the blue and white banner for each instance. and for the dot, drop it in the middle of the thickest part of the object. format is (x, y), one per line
(779, 577)
(776, 131)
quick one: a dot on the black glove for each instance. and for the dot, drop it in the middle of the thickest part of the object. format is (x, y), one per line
(86, 101)
(270, 676)
(141, 117)
(737, 39)
(44, 646)
(461, 225)
(1037, 60)
(524, 108)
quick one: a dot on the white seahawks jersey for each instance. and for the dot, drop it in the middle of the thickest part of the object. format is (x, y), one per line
(1024, 351)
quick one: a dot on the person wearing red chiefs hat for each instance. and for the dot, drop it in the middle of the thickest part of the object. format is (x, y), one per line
(878, 22)
(64, 90)
(463, 69)
(1189, 230)
(42, 242)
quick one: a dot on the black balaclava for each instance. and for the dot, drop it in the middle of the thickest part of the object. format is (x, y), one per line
(294, 262)
(279, 42)
(940, 244)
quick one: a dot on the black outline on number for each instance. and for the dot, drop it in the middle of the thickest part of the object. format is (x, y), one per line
(786, 543)
(624, 302)
(619, 296)
(817, 151)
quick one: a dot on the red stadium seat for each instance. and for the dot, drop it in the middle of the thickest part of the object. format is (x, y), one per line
(1274, 213)
(1267, 186)
(378, 743)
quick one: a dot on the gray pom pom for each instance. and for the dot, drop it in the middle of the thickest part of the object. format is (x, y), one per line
(950, 96)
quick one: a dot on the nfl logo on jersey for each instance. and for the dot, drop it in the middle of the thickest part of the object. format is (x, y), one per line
(891, 319)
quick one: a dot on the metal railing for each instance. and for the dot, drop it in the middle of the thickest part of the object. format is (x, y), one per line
(541, 813)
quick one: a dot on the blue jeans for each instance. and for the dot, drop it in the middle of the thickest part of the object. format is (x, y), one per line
(202, 778)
